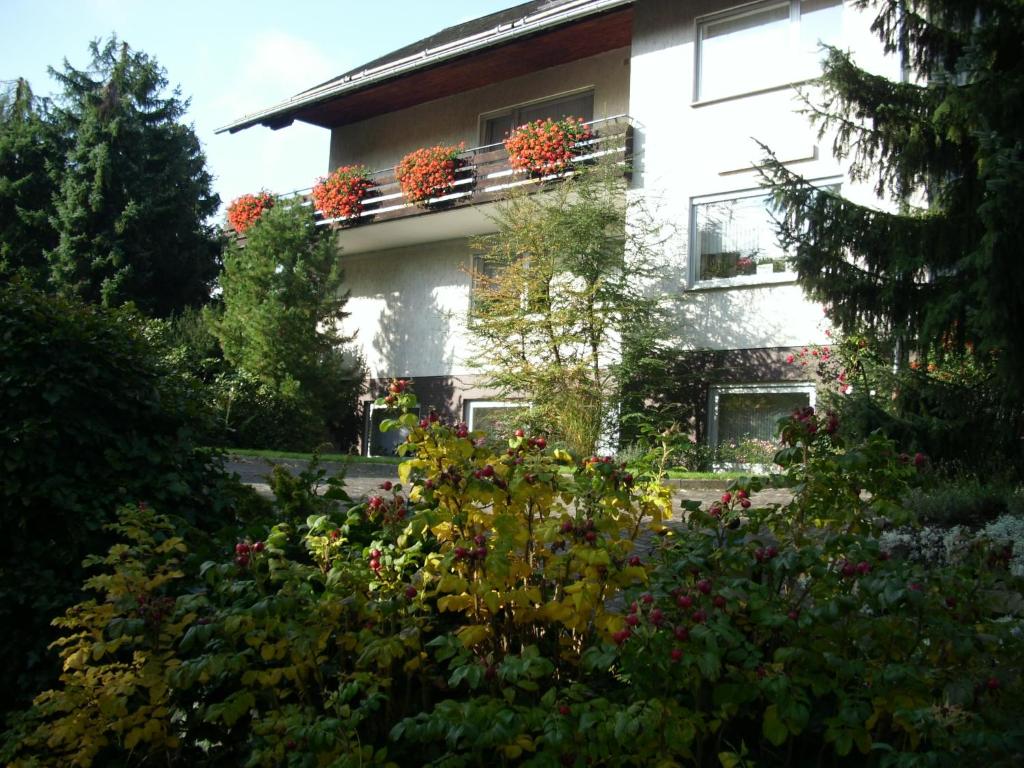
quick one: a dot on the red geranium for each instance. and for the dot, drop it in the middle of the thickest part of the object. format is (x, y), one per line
(244, 211)
(546, 146)
(428, 172)
(340, 195)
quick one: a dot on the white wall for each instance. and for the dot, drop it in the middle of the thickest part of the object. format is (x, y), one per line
(380, 142)
(687, 149)
(408, 307)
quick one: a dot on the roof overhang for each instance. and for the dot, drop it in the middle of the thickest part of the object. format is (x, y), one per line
(571, 31)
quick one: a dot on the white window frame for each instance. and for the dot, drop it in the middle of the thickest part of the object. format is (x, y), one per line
(471, 405)
(716, 391)
(788, 80)
(368, 427)
(769, 278)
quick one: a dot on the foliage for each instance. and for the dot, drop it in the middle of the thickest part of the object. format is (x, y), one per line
(90, 420)
(950, 408)
(940, 270)
(340, 195)
(966, 501)
(563, 313)
(491, 610)
(134, 194)
(28, 147)
(244, 211)
(428, 173)
(546, 146)
(279, 330)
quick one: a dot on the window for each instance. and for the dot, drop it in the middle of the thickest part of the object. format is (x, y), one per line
(497, 126)
(733, 239)
(485, 274)
(382, 443)
(763, 46)
(743, 419)
(497, 418)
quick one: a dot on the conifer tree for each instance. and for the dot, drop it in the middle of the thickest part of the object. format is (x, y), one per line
(941, 270)
(29, 149)
(134, 195)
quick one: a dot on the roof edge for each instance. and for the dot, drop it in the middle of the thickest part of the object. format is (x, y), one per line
(281, 114)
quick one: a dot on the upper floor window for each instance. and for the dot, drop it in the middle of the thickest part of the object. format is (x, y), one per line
(763, 46)
(496, 127)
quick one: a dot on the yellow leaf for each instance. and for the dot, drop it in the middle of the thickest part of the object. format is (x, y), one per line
(268, 652)
(452, 583)
(473, 634)
(455, 602)
(493, 601)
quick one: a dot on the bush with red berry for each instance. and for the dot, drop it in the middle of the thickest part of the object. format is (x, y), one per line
(340, 195)
(429, 172)
(495, 608)
(246, 210)
(546, 147)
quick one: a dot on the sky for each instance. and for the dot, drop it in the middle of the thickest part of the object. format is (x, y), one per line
(231, 58)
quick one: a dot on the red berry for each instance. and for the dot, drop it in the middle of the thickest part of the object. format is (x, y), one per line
(849, 569)
(699, 617)
(259, 546)
(676, 654)
(481, 553)
(647, 598)
(374, 564)
(863, 567)
(704, 585)
(951, 602)
(460, 552)
(741, 494)
(719, 602)
(242, 560)
(541, 443)
(241, 548)
(591, 537)
(410, 591)
(487, 471)
(657, 616)
(726, 497)
(386, 485)
(564, 710)
(520, 433)
(793, 615)
(632, 620)
(992, 683)
(684, 601)
(745, 503)
(682, 634)
(566, 526)
(635, 561)
(375, 554)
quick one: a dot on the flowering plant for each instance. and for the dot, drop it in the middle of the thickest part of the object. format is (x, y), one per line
(340, 195)
(428, 172)
(546, 146)
(244, 211)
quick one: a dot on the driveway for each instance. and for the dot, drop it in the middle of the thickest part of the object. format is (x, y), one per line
(363, 479)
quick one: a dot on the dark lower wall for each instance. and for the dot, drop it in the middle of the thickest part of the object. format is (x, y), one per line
(693, 375)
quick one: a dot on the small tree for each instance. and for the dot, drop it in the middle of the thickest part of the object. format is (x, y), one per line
(282, 305)
(563, 312)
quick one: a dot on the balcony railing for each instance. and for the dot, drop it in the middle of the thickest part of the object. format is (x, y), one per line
(485, 175)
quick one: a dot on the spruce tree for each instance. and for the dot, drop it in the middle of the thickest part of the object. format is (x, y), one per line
(135, 195)
(29, 150)
(938, 271)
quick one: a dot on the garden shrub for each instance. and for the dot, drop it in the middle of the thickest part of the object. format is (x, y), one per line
(493, 610)
(90, 420)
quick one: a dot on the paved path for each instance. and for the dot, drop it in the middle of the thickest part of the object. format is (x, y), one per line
(363, 479)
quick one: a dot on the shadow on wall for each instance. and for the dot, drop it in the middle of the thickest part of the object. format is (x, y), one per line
(412, 338)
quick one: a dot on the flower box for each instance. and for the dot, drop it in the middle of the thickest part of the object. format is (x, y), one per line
(340, 195)
(546, 147)
(429, 172)
(246, 210)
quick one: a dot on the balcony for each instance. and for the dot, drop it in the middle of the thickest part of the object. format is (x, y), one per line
(485, 176)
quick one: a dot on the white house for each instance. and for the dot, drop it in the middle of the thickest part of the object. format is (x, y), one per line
(694, 83)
